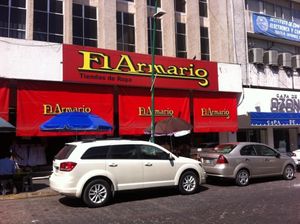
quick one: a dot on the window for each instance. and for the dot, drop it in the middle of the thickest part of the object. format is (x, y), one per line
(152, 3)
(248, 151)
(96, 153)
(12, 18)
(203, 8)
(150, 152)
(264, 151)
(253, 5)
(269, 9)
(125, 32)
(180, 41)
(84, 25)
(204, 43)
(158, 36)
(180, 5)
(123, 152)
(48, 21)
(65, 152)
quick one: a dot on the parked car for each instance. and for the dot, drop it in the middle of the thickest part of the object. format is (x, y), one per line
(244, 160)
(296, 157)
(95, 170)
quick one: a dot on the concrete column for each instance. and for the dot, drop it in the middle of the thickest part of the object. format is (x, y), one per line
(168, 28)
(219, 30)
(107, 24)
(141, 28)
(68, 22)
(270, 136)
(193, 29)
(29, 20)
(227, 137)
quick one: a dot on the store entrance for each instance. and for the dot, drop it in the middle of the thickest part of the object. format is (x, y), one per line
(281, 139)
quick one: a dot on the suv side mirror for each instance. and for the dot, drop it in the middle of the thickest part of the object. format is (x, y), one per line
(277, 155)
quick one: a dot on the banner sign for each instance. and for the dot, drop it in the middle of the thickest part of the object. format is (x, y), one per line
(101, 66)
(135, 108)
(38, 102)
(4, 99)
(276, 27)
(215, 113)
(274, 119)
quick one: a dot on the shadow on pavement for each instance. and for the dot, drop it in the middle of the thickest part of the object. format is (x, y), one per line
(132, 195)
(224, 182)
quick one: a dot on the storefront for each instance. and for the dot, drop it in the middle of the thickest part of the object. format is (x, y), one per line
(116, 86)
(271, 117)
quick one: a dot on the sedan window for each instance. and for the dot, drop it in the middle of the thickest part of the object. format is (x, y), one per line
(224, 148)
(264, 150)
(248, 151)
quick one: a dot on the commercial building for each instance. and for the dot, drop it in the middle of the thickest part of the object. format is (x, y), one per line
(94, 56)
(269, 107)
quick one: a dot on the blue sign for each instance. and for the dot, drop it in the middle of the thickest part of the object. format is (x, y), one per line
(276, 27)
(274, 119)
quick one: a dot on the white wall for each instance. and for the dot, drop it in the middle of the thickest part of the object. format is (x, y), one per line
(25, 59)
(36, 60)
(230, 77)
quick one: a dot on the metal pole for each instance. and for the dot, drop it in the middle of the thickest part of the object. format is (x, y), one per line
(153, 76)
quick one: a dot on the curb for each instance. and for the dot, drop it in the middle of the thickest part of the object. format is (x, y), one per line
(26, 195)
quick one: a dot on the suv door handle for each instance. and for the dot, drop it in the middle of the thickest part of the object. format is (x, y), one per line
(267, 160)
(148, 164)
(113, 165)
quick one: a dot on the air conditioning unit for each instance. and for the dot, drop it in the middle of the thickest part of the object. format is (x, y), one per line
(271, 58)
(256, 55)
(285, 60)
(296, 61)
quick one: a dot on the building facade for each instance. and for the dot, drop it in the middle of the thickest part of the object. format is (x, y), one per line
(269, 106)
(95, 56)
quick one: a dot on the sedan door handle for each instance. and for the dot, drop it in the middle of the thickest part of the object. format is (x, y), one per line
(267, 160)
(113, 165)
(148, 164)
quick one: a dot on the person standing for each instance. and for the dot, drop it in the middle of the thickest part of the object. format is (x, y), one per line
(7, 170)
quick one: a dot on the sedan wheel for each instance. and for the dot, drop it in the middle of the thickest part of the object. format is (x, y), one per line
(97, 193)
(188, 183)
(288, 173)
(242, 178)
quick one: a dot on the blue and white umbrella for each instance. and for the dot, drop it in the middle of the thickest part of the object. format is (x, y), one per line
(6, 126)
(76, 121)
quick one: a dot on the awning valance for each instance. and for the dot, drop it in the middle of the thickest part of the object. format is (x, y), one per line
(274, 119)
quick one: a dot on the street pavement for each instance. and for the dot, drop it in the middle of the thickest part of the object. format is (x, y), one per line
(270, 200)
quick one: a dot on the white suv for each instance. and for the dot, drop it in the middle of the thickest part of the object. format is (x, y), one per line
(94, 170)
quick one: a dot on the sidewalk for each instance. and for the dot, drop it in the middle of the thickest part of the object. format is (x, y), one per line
(40, 187)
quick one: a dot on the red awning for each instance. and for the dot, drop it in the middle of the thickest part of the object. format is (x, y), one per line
(135, 108)
(215, 112)
(4, 99)
(39, 101)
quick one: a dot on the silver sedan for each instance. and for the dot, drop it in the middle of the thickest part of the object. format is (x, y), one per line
(244, 160)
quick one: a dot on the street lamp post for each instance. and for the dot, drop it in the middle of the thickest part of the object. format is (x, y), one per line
(153, 34)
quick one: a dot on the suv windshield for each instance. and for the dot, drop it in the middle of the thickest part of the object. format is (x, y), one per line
(225, 148)
(65, 152)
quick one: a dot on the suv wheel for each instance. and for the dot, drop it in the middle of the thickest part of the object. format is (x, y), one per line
(188, 183)
(288, 173)
(242, 178)
(97, 193)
